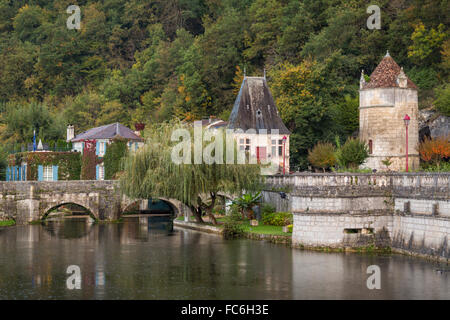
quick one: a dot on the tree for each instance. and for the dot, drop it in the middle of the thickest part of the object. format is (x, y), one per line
(152, 172)
(425, 42)
(322, 155)
(353, 153)
(442, 101)
(22, 119)
(307, 109)
(347, 114)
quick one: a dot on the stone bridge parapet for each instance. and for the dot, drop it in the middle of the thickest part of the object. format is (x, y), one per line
(25, 201)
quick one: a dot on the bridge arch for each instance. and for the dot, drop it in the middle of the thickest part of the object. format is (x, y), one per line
(51, 207)
(168, 205)
(177, 207)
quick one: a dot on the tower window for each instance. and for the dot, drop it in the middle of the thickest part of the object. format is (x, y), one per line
(370, 147)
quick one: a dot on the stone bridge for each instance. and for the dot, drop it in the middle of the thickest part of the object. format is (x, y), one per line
(26, 201)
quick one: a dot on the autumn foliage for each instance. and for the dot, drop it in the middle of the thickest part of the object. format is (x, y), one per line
(435, 150)
(322, 155)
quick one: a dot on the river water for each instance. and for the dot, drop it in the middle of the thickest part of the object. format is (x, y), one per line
(141, 260)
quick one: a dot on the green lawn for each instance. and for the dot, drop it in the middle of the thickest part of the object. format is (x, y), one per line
(260, 229)
(7, 223)
(264, 229)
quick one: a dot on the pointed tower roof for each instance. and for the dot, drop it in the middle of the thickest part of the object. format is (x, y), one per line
(255, 108)
(386, 75)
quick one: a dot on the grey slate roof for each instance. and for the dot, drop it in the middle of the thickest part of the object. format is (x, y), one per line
(108, 131)
(255, 108)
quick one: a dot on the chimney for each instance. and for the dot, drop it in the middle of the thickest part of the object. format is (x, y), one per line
(70, 133)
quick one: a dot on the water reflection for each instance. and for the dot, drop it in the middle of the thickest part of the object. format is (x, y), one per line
(147, 259)
(68, 228)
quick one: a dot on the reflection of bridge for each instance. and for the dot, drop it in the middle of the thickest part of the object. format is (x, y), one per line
(26, 201)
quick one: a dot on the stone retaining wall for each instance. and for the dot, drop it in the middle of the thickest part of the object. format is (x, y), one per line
(409, 211)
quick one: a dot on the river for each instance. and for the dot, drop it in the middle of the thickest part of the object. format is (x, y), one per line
(136, 260)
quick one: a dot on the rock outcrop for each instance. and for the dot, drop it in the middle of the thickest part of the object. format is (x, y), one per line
(433, 124)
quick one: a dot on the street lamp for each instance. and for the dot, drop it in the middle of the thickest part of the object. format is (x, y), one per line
(284, 155)
(406, 119)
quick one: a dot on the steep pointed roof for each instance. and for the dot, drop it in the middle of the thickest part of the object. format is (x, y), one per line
(108, 131)
(385, 75)
(255, 108)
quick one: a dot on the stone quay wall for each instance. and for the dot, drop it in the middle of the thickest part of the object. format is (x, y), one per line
(408, 212)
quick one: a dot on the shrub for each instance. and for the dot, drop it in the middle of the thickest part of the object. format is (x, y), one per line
(435, 150)
(277, 219)
(232, 227)
(443, 167)
(267, 208)
(290, 228)
(322, 155)
(387, 162)
(353, 153)
(246, 202)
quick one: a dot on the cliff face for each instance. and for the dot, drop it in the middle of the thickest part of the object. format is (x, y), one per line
(433, 124)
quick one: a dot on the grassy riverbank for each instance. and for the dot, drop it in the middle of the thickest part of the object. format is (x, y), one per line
(247, 228)
(7, 223)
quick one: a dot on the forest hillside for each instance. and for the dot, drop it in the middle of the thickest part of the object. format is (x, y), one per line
(150, 61)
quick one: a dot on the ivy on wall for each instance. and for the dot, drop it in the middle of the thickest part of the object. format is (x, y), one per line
(89, 161)
(69, 163)
(114, 154)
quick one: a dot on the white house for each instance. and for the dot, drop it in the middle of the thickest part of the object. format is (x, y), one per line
(103, 136)
(257, 124)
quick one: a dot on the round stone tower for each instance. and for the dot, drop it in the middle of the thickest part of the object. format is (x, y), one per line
(383, 103)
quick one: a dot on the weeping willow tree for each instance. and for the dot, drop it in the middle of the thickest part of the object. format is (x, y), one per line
(153, 172)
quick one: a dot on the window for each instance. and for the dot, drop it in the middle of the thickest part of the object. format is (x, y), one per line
(244, 146)
(48, 173)
(101, 172)
(370, 147)
(102, 148)
(277, 143)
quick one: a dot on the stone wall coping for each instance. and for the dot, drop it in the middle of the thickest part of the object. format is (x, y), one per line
(377, 174)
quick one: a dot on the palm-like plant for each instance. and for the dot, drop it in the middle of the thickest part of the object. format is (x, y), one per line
(246, 202)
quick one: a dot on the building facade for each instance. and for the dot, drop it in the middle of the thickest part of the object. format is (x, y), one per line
(258, 128)
(383, 103)
(47, 165)
(102, 137)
